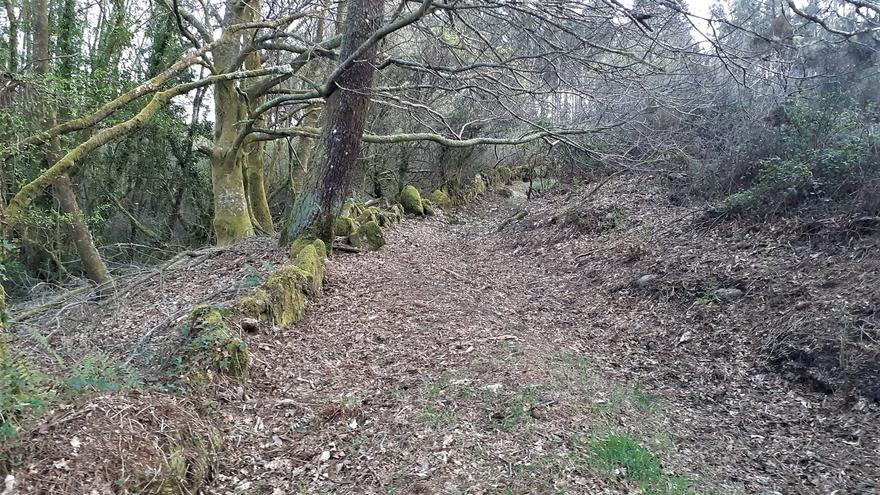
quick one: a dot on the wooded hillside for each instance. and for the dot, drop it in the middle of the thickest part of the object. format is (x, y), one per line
(568, 239)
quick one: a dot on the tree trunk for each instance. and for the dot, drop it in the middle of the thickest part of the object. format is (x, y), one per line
(327, 184)
(93, 265)
(253, 153)
(12, 65)
(76, 228)
(232, 219)
(305, 146)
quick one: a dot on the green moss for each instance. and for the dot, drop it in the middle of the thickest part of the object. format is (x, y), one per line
(255, 305)
(321, 248)
(345, 226)
(212, 345)
(440, 198)
(411, 201)
(370, 214)
(309, 261)
(298, 244)
(287, 300)
(369, 237)
(428, 207)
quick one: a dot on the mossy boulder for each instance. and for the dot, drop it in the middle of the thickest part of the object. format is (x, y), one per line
(304, 241)
(411, 200)
(440, 198)
(255, 305)
(298, 244)
(212, 345)
(312, 264)
(345, 226)
(321, 248)
(369, 214)
(428, 207)
(286, 290)
(369, 237)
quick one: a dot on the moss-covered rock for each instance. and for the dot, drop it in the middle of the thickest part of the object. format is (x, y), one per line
(212, 345)
(440, 198)
(286, 289)
(428, 207)
(369, 214)
(312, 264)
(389, 217)
(321, 248)
(411, 200)
(298, 244)
(255, 305)
(369, 237)
(345, 226)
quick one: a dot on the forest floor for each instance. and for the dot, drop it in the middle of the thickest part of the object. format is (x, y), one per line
(464, 359)
(595, 345)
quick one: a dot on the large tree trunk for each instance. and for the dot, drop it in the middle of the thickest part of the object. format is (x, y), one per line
(232, 218)
(306, 146)
(253, 154)
(328, 183)
(76, 228)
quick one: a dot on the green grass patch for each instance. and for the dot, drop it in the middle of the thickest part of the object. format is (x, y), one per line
(621, 455)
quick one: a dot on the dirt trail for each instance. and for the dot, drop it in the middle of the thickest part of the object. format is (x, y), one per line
(435, 365)
(459, 360)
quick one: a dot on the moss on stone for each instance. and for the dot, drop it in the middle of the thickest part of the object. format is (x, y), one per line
(411, 200)
(321, 248)
(212, 345)
(440, 198)
(287, 300)
(255, 305)
(369, 237)
(388, 218)
(428, 207)
(298, 244)
(345, 226)
(309, 261)
(369, 214)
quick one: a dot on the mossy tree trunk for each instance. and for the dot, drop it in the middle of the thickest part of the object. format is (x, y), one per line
(253, 152)
(232, 218)
(93, 265)
(327, 184)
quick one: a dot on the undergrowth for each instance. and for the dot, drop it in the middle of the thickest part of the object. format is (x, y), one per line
(826, 159)
(26, 392)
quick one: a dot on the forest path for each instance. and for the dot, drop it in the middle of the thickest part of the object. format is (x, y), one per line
(438, 364)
